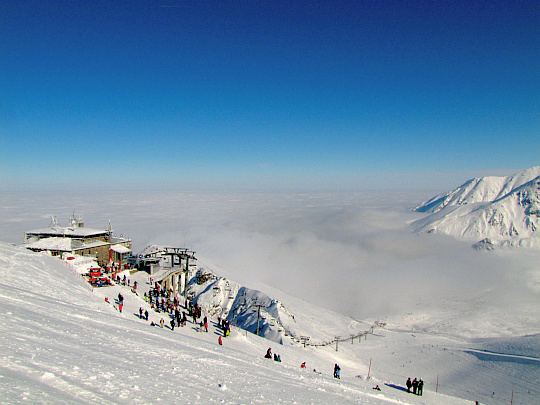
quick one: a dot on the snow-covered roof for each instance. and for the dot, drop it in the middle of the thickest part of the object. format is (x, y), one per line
(61, 244)
(120, 249)
(71, 232)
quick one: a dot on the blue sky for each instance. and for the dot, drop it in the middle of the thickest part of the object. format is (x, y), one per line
(267, 94)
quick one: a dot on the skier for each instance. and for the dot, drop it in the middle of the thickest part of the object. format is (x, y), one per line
(420, 387)
(303, 365)
(161, 322)
(146, 314)
(219, 340)
(268, 354)
(172, 324)
(408, 384)
(140, 313)
(337, 371)
(206, 324)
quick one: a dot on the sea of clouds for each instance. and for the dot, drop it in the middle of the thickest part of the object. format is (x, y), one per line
(352, 252)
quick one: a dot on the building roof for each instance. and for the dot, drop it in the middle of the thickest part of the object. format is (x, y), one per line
(120, 249)
(63, 244)
(70, 232)
(58, 244)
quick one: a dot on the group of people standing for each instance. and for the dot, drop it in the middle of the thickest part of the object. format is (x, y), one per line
(143, 314)
(161, 300)
(225, 326)
(417, 386)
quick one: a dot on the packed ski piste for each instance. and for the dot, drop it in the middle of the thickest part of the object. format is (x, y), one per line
(134, 341)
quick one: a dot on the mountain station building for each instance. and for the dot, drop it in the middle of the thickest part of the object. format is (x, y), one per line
(107, 248)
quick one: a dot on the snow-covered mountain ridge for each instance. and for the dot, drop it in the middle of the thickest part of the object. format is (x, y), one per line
(254, 311)
(501, 211)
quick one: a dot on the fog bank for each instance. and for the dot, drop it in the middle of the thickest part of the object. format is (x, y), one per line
(351, 252)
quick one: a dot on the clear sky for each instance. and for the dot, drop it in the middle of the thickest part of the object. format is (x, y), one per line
(270, 94)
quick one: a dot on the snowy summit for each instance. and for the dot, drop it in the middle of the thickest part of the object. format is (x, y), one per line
(501, 211)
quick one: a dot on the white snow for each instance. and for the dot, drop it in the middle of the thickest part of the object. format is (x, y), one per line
(62, 343)
(505, 210)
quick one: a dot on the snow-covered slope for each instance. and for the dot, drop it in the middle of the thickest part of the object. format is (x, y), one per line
(244, 307)
(500, 210)
(60, 342)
